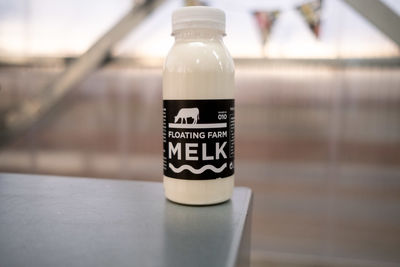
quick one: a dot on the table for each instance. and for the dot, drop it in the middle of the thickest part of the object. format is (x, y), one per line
(69, 221)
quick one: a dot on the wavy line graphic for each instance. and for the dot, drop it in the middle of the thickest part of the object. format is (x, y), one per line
(195, 171)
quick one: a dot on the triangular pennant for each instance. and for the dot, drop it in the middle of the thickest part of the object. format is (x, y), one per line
(265, 21)
(311, 12)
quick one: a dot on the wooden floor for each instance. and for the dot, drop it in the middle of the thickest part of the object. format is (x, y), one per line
(319, 146)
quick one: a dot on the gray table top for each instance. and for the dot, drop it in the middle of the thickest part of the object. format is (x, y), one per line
(64, 221)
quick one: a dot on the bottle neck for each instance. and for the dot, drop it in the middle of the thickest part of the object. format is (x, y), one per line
(198, 34)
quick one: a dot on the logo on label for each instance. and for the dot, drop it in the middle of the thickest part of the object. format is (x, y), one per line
(197, 147)
(185, 113)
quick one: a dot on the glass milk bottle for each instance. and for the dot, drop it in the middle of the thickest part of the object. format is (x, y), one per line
(198, 110)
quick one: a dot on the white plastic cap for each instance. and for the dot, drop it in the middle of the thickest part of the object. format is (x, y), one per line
(198, 17)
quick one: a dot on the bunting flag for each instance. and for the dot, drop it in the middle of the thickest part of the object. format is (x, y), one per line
(311, 12)
(195, 3)
(265, 21)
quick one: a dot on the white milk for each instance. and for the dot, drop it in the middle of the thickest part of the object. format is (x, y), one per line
(198, 160)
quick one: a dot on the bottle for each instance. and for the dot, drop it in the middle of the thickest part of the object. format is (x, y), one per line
(198, 110)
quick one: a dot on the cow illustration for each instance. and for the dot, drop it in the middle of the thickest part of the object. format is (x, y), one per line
(185, 113)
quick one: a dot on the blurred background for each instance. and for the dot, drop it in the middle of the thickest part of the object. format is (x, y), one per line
(317, 111)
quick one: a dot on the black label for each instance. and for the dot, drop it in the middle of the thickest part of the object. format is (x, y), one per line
(199, 138)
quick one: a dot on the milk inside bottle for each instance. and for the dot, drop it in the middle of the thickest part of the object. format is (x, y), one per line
(198, 110)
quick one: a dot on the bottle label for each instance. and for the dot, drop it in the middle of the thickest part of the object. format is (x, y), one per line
(199, 138)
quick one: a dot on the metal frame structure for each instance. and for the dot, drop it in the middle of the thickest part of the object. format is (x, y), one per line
(30, 111)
